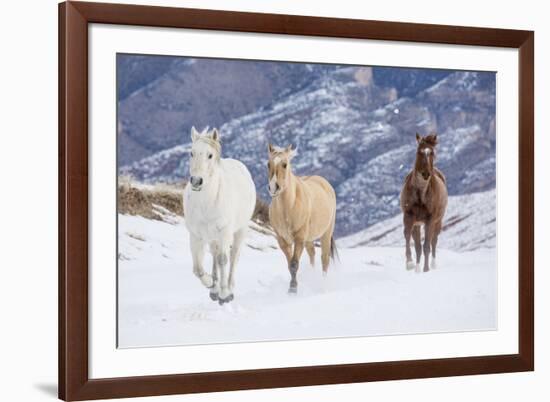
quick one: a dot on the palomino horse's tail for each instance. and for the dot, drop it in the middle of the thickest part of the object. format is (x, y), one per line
(333, 250)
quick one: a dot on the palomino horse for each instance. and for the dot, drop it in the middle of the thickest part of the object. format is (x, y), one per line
(303, 209)
(423, 201)
(218, 204)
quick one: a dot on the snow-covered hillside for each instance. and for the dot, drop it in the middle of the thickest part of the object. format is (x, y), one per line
(360, 136)
(470, 224)
(368, 292)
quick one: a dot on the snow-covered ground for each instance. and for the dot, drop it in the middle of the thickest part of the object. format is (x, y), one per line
(369, 292)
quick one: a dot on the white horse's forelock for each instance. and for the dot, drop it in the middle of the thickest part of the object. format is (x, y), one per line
(213, 143)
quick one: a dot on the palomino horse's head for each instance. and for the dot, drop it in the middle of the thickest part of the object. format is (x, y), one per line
(425, 155)
(278, 168)
(205, 157)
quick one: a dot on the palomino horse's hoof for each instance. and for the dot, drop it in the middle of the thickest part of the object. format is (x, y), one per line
(292, 290)
(213, 296)
(226, 300)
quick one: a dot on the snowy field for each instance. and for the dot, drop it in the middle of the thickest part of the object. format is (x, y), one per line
(368, 292)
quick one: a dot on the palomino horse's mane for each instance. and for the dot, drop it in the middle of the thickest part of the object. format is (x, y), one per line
(213, 143)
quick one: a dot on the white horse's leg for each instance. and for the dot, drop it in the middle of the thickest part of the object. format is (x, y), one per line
(222, 258)
(197, 251)
(215, 289)
(235, 252)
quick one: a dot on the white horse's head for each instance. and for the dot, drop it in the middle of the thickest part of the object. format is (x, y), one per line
(205, 157)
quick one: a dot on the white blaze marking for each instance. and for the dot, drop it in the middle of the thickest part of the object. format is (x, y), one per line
(272, 184)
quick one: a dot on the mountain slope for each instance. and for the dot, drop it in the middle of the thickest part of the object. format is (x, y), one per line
(360, 136)
(160, 98)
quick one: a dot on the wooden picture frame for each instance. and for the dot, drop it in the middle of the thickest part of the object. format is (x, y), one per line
(74, 381)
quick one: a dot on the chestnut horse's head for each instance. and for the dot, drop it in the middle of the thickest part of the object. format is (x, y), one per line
(425, 155)
(278, 168)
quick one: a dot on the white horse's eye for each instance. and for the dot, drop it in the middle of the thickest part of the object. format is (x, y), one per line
(209, 156)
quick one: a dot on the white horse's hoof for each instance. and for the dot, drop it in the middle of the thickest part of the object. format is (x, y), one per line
(417, 268)
(207, 280)
(224, 293)
(225, 299)
(411, 265)
(433, 264)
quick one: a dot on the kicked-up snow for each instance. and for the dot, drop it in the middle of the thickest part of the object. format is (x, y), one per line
(367, 292)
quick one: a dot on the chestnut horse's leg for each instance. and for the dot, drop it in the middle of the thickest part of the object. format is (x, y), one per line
(437, 230)
(417, 243)
(408, 224)
(294, 264)
(428, 234)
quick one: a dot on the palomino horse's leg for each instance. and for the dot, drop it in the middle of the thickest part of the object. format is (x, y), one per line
(435, 236)
(234, 257)
(310, 248)
(417, 244)
(197, 251)
(286, 247)
(428, 234)
(408, 224)
(294, 265)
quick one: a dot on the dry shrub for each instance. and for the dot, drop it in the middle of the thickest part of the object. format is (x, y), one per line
(139, 200)
(135, 199)
(171, 200)
(261, 212)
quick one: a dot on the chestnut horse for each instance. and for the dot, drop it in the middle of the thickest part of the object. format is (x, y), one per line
(423, 201)
(303, 209)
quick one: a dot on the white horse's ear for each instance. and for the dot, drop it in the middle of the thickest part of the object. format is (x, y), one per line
(215, 135)
(194, 134)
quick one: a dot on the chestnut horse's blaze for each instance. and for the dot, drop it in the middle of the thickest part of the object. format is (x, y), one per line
(423, 202)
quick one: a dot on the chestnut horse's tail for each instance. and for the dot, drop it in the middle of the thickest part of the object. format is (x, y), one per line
(333, 250)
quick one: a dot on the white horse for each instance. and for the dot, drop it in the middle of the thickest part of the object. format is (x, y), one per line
(218, 204)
